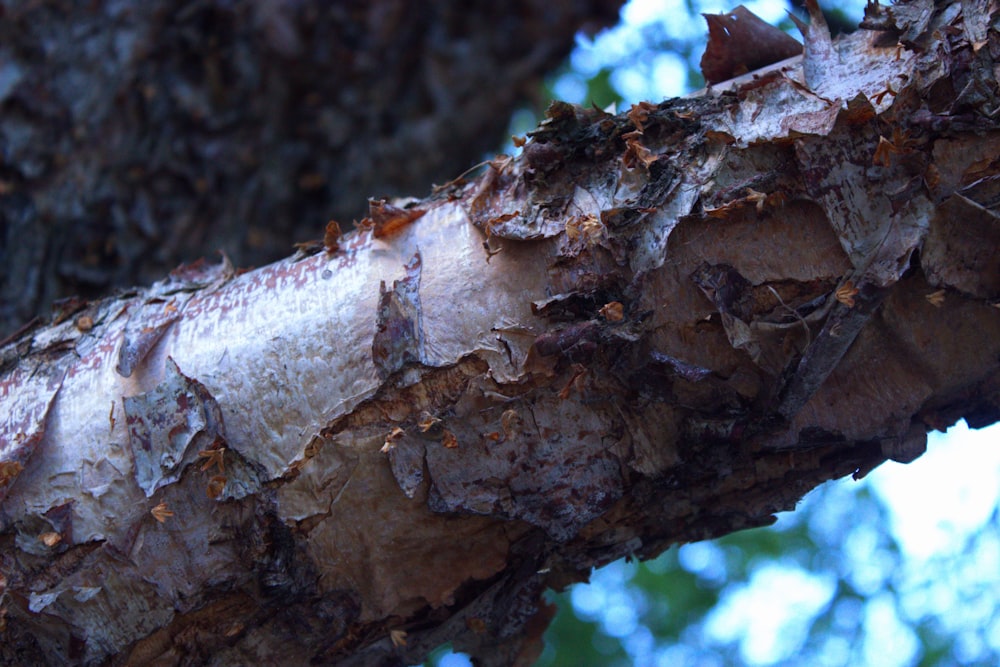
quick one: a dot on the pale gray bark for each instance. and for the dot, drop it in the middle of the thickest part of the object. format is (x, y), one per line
(647, 329)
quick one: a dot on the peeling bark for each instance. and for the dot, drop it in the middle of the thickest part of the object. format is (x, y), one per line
(648, 329)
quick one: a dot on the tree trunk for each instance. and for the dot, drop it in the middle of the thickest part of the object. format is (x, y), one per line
(647, 329)
(134, 136)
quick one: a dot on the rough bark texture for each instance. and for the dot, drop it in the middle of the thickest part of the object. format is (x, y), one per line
(137, 135)
(648, 329)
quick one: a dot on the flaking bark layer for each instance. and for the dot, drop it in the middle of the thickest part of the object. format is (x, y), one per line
(647, 329)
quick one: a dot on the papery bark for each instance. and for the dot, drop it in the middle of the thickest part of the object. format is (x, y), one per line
(648, 329)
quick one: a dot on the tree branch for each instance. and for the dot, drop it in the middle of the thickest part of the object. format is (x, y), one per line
(404, 437)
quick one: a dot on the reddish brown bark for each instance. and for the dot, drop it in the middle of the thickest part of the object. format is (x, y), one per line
(647, 329)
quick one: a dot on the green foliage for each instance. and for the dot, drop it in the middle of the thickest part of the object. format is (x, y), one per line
(597, 89)
(571, 640)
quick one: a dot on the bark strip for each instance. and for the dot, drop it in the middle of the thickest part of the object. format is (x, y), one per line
(408, 436)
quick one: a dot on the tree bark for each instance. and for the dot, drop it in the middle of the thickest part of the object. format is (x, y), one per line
(134, 136)
(647, 329)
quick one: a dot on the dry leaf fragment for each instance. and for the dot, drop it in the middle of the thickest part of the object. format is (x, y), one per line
(578, 371)
(215, 486)
(490, 252)
(499, 163)
(720, 137)
(740, 42)
(161, 513)
(878, 97)
(639, 114)
(331, 237)
(50, 539)
(859, 110)
(777, 199)
(757, 197)
(313, 448)
(294, 468)
(213, 457)
(303, 249)
(900, 144)
(398, 638)
(636, 153)
(84, 323)
(427, 422)
(613, 312)
(499, 220)
(63, 309)
(390, 440)
(883, 153)
(387, 219)
(936, 299)
(846, 293)
(588, 227)
(518, 142)
(8, 471)
(723, 212)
